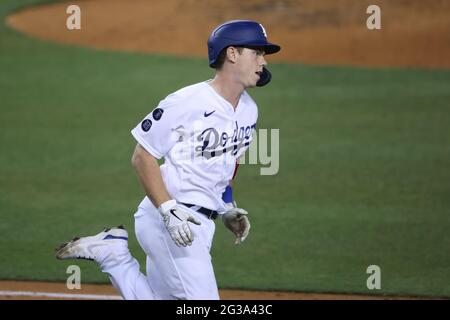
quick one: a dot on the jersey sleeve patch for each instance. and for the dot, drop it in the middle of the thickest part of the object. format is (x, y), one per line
(157, 114)
(146, 125)
(157, 132)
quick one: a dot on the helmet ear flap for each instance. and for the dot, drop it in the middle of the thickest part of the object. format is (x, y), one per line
(265, 78)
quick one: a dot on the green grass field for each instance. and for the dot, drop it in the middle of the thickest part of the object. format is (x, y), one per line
(364, 174)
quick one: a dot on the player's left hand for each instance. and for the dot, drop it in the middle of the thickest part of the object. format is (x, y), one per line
(237, 221)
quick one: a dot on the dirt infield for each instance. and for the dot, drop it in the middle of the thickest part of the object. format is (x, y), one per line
(414, 32)
(23, 290)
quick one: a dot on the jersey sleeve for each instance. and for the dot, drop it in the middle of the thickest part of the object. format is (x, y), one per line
(160, 130)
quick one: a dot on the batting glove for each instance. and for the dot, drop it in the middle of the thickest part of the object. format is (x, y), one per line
(237, 221)
(176, 219)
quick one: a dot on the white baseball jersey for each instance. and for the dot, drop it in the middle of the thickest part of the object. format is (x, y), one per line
(201, 136)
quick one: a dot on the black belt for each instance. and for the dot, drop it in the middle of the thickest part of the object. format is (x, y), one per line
(211, 214)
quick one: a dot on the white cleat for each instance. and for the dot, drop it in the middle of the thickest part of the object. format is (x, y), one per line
(107, 244)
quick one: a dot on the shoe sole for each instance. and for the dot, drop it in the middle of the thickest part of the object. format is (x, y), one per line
(65, 248)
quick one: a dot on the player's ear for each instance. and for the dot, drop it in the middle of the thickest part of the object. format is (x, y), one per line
(232, 53)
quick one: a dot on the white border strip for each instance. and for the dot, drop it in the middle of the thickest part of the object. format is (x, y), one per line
(58, 295)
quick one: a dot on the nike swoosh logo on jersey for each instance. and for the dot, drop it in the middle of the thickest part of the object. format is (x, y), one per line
(172, 211)
(208, 114)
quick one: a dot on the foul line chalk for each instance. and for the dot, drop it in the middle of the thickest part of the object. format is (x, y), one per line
(58, 295)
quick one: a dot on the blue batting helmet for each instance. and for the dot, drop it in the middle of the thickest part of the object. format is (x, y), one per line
(238, 33)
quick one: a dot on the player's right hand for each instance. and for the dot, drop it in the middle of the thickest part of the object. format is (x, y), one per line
(176, 221)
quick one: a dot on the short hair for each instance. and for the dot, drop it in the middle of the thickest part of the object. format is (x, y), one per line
(222, 57)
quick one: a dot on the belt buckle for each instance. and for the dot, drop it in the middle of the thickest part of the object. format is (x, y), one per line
(209, 213)
(212, 214)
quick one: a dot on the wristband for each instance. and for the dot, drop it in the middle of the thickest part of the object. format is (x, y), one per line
(227, 196)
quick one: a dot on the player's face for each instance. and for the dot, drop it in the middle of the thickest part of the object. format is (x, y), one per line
(250, 65)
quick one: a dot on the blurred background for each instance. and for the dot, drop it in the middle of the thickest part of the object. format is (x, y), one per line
(364, 120)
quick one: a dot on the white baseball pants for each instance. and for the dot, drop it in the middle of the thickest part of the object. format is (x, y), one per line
(172, 272)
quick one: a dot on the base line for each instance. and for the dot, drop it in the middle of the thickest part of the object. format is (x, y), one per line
(58, 295)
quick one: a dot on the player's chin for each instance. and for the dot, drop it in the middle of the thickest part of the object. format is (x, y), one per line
(253, 82)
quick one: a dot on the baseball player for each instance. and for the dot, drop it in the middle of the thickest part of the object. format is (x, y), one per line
(200, 131)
